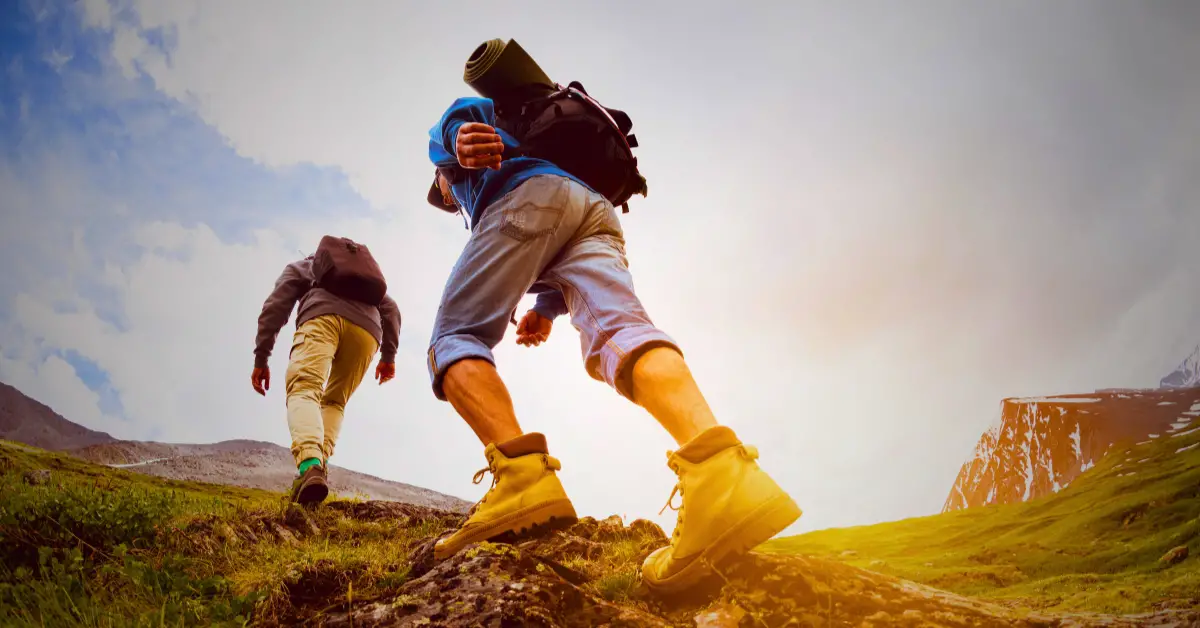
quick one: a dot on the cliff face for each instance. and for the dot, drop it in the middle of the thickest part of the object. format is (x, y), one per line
(1040, 444)
(1187, 375)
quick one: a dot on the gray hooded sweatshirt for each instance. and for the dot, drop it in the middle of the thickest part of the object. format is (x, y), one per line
(294, 285)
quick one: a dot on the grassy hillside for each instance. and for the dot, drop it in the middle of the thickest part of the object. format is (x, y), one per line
(85, 545)
(1093, 546)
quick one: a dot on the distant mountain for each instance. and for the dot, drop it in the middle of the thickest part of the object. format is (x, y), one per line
(247, 463)
(1187, 375)
(252, 464)
(1040, 444)
(26, 420)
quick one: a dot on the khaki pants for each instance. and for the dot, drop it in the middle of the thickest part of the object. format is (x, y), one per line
(328, 361)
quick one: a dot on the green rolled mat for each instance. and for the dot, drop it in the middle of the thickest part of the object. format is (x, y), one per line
(504, 72)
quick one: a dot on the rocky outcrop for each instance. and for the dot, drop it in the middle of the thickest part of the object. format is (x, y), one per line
(1187, 375)
(1040, 444)
(587, 576)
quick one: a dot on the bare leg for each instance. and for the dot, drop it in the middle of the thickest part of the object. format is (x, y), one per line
(476, 391)
(664, 386)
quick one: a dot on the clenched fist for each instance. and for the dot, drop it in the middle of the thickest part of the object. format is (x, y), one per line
(478, 146)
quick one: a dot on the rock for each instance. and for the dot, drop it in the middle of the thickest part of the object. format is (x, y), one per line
(610, 529)
(849, 554)
(723, 616)
(492, 585)
(878, 563)
(395, 512)
(574, 546)
(648, 529)
(285, 535)
(226, 534)
(297, 519)
(1176, 555)
(614, 520)
(37, 477)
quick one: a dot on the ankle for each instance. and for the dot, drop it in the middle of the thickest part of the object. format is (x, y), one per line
(308, 464)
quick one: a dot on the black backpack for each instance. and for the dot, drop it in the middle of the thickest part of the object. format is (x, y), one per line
(347, 268)
(578, 134)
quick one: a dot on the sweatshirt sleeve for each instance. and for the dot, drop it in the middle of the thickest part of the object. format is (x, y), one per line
(277, 309)
(551, 304)
(389, 318)
(443, 135)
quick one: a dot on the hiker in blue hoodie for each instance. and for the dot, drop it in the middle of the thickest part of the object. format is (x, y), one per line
(536, 228)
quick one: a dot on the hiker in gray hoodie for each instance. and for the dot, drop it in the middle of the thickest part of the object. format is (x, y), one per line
(334, 343)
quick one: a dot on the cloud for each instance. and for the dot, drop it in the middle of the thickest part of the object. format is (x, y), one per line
(865, 231)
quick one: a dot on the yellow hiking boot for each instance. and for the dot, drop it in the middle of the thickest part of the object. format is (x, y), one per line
(525, 494)
(732, 506)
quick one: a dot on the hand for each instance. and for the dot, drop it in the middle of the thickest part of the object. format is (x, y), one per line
(533, 329)
(385, 371)
(478, 146)
(260, 378)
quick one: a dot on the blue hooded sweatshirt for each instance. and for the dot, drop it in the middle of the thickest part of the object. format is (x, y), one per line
(481, 186)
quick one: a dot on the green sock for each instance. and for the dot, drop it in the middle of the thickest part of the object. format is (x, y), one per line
(307, 464)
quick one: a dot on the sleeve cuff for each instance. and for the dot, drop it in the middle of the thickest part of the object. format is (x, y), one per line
(548, 312)
(260, 361)
(387, 358)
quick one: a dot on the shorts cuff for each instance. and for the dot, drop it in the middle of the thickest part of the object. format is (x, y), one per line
(449, 350)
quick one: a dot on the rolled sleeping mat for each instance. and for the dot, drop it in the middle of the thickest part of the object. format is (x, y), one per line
(504, 72)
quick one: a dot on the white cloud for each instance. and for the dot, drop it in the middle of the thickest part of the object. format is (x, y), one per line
(97, 14)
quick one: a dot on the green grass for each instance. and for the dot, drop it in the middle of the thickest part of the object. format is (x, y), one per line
(1094, 546)
(87, 545)
(95, 546)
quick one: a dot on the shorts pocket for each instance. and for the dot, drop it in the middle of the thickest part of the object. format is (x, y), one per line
(529, 221)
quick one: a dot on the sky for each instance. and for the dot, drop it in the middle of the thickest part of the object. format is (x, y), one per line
(865, 227)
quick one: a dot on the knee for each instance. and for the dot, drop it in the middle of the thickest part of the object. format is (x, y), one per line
(459, 375)
(659, 362)
(333, 405)
(301, 378)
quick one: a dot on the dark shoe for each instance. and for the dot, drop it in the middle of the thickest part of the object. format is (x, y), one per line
(311, 487)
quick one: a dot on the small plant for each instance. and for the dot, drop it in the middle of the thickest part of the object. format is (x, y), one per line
(617, 587)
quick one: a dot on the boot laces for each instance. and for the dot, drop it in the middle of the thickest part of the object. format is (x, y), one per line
(750, 452)
(476, 479)
(678, 490)
(550, 461)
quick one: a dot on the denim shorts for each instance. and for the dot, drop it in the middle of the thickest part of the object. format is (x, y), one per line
(548, 234)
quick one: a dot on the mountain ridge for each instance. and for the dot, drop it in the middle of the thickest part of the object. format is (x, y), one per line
(50, 430)
(244, 463)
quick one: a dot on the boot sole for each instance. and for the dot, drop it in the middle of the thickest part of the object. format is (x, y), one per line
(312, 493)
(767, 520)
(537, 519)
